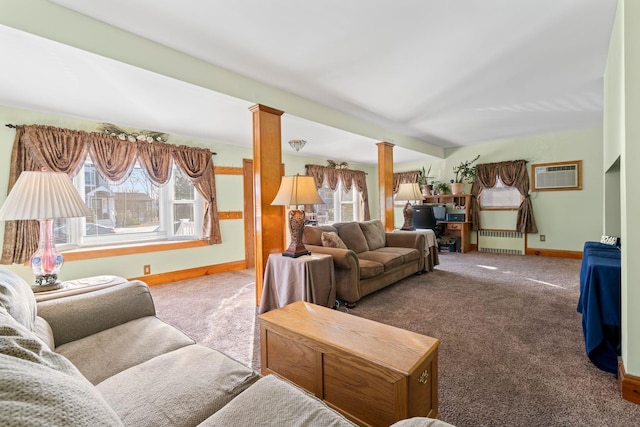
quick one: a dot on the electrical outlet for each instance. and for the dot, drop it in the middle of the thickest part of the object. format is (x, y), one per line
(147, 269)
(543, 238)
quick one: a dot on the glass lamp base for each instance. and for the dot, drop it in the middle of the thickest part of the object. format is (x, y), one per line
(43, 285)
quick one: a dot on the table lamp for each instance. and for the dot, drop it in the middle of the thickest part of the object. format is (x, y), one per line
(297, 190)
(408, 191)
(44, 196)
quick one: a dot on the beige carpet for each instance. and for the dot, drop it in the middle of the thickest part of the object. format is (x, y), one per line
(511, 351)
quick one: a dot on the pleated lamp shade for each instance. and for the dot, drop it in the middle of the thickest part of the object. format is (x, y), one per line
(409, 191)
(297, 190)
(43, 195)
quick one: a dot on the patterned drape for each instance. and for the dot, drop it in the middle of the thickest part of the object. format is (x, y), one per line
(404, 177)
(64, 150)
(513, 174)
(348, 177)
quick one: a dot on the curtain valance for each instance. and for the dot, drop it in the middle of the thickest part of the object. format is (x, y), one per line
(404, 177)
(348, 177)
(65, 150)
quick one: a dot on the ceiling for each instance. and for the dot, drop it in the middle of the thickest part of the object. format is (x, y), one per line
(447, 73)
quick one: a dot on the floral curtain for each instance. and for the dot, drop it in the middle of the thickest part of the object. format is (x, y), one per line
(404, 177)
(348, 177)
(513, 174)
(64, 150)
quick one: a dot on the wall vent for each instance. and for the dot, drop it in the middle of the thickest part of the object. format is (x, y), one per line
(501, 242)
(557, 176)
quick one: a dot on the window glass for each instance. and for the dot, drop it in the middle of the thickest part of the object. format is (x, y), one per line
(500, 197)
(133, 211)
(340, 205)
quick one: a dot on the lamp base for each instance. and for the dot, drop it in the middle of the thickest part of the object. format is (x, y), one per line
(408, 216)
(296, 227)
(295, 252)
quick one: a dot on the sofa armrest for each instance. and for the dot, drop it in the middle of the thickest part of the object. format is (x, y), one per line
(79, 316)
(406, 239)
(347, 271)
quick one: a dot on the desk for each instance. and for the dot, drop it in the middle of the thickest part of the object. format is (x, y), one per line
(600, 305)
(459, 229)
(307, 278)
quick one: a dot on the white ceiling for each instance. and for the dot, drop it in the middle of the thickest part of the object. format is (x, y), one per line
(450, 73)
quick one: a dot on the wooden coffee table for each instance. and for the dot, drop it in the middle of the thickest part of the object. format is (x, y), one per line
(372, 373)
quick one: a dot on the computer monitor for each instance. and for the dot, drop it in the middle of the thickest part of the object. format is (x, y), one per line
(440, 212)
(423, 217)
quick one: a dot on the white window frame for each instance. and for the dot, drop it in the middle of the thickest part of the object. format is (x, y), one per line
(338, 202)
(164, 232)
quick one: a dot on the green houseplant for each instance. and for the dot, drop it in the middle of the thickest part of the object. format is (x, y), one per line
(464, 172)
(423, 181)
(442, 187)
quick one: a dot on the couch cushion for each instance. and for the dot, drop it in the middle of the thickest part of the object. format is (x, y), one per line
(17, 298)
(408, 254)
(42, 388)
(352, 236)
(331, 240)
(369, 268)
(312, 235)
(106, 353)
(388, 259)
(180, 388)
(274, 402)
(374, 233)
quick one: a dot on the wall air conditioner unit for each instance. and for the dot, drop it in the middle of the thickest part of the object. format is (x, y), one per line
(557, 176)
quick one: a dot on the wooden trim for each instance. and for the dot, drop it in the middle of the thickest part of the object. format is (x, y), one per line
(557, 253)
(103, 252)
(160, 279)
(629, 385)
(227, 170)
(385, 184)
(230, 215)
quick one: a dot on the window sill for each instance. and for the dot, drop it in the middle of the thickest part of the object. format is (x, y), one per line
(110, 251)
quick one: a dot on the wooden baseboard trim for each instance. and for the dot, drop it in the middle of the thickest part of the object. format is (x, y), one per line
(629, 385)
(553, 253)
(161, 279)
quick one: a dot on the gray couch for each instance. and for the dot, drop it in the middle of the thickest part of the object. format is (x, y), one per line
(103, 358)
(372, 258)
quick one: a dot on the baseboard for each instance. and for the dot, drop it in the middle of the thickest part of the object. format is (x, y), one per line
(557, 253)
(629, 385)
(160, 279)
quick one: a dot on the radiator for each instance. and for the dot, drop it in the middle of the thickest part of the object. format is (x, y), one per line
(501, 242)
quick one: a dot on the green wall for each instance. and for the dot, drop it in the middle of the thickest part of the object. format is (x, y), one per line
(566, 218)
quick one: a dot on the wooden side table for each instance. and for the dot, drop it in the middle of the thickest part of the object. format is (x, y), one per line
(372, 373)
(307, 278)
(80, 286)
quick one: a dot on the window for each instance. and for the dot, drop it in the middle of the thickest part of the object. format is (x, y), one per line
(339, 205)
(500, 197)
(133, 211)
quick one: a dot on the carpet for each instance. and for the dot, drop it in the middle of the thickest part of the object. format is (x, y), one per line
(511, 351)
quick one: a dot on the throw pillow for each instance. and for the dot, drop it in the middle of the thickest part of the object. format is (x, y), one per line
(17, 298)
(331, 240)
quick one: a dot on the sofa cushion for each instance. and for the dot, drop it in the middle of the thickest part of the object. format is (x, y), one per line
(180, 388)
(369, 268)
(408, 254)
(374, 233)
(331, 240)
(17, 298)
(274, 402)
(312, 235)
(42, 388)
(352, 236)
(390, 260)
(43, 331)
(106, 353)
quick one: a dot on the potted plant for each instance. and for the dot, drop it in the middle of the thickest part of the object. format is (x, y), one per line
(442, 187)
(423, 181)
(465, 172)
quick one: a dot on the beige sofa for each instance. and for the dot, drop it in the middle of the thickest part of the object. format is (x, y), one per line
(372, 258)
(103, 358)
